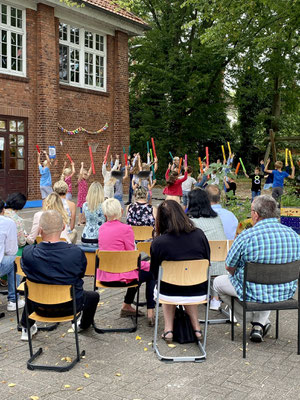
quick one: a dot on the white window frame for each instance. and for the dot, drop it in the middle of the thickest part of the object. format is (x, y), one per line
(12, 29)
(82, 50)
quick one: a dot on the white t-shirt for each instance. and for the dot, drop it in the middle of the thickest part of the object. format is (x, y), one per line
(187, 185)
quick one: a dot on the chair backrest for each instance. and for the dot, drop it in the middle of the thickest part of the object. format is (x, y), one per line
(39, 239)
(118, 261)
(219, 249)
(144, 246)
(185, 273)
(18, 264)
(142, 232)
(91, 262)
(48, 294)
(272, 274)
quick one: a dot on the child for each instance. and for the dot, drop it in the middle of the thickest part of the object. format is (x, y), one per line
(82, 190)
(146, 182)
(229, 184)
(45, 180)
(108, 180)
(187, 186)
(118, 175)
(278, 178)
(173, 190)
(256, 182)
(66, 176)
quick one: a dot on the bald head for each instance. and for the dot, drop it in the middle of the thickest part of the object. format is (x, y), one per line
(51, 223)
(214, 193)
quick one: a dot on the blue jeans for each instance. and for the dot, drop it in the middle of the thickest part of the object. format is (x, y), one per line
(185, 197)
(255, 194)
(7, 268)
(120, 198)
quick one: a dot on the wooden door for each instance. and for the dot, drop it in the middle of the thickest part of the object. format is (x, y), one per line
(13, 156)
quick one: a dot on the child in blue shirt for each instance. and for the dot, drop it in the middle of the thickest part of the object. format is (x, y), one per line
(45, 180)
(278, 178)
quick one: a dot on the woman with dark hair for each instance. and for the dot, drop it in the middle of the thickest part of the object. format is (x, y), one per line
(177, 239)
(204, 217)
(14, 203)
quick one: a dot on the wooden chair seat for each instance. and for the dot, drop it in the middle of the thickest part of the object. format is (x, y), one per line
(21, 287)
(38, 317)
(102, 285)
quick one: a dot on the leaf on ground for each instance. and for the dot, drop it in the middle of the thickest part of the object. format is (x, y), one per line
(247, 363)
(118, 374)
(100, 303)
(63, 335)
(71, 330)
(150, 344)
(79, 388)
(138, 337)
(238, 324)
(101, 291)
(145, 348)
(86, 375)
(67, 386)
(171, 345)
(226, 333)
(34, 397)
(11, 384)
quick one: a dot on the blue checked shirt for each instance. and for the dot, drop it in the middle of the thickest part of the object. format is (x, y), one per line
(268, 242)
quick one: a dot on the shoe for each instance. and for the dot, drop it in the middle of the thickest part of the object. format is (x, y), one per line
(79, 329)
(129, 313)
(33, 331)
(11, 306)
(215, 304)
(3, 283)
(151, 321)
(259, 331)
(168, 340)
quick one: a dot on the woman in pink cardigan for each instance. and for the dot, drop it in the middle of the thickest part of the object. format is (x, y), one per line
(173, 190)
(116, 236)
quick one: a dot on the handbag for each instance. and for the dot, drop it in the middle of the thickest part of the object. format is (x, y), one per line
(183, 331)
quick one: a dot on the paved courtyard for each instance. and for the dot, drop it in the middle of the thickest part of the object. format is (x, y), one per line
(123, 366)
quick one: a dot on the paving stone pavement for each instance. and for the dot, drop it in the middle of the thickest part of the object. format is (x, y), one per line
(122, 367)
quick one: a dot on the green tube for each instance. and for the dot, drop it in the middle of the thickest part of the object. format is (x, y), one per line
(243, 166)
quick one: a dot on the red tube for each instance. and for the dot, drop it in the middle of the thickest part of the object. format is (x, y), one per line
(69, 157)
(207, 156)
(237, 168)
(126, 161)
(153, 147)
(92, 160)
(106, 154)
(38, 149)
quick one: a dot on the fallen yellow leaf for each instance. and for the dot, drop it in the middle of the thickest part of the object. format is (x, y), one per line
(150, 344)
(138, 337)
(34, 397)
(67, 386)
(145, 349)
(11, 384)
(71, 330)
(101, 291)
(118, 374)
(80, 388)
(172, 345)
(86, 375)
(68, 359)
(63, 335)
(247, 363)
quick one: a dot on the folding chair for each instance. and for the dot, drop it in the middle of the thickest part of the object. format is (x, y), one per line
(50, 295)
(218, 253)
(20, 290)
(268, 274)
(90, 253)
(118, 262)
(183, 273)
(142, 233)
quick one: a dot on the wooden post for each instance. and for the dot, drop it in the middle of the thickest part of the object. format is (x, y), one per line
(273, 146)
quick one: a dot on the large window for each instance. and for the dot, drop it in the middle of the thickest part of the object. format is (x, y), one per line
(82, 57)
(12, 40)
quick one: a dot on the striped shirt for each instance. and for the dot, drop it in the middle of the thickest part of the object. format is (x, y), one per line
(268, 242)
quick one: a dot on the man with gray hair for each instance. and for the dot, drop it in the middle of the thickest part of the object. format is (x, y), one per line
(55, 262)
(267, 242)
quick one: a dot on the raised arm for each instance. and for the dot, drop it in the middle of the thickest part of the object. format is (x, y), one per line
(246, 175)
(47, 158)
(126, 173)
(268, 171)
(39, 159)
(73, 168)
(81, 172)
(89, 172)
(155, 164)
(292, 176)
(114, 168)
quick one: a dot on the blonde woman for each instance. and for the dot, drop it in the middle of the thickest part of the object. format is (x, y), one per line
(51, 202)
(61, 188)
(92, 210)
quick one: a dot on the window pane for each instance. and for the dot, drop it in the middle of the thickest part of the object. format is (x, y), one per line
(21, 164)
(99, 42)
(13, 16)
(74, 65)
(99, 71)
(20, 140)
(3, 12)
(2, 153)
(74, 35)
(89, 40)
(12, 140)
(20, 152)
(3, 49)
(19, 18)
(13, 151)
(2, 126)
(63, 63)
(20, 128)
(89, 68)
(12, 127)
(63, 31)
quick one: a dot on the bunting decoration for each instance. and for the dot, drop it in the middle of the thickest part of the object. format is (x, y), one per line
(82, 130)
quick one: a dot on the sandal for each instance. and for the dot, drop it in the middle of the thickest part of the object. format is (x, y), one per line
(168, 340)
(198, 337)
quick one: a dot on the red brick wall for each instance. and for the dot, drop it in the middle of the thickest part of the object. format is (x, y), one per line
(45, 102)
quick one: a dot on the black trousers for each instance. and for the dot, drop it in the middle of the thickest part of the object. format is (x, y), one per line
(90, 302)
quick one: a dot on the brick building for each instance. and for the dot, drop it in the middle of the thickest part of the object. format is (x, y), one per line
(61, 66)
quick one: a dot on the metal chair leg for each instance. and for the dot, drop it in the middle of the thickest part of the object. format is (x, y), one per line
(277, 324)
(244, 332)
(232, 319)
(298, 331)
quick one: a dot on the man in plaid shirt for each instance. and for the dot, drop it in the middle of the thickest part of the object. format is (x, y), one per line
(268, 242)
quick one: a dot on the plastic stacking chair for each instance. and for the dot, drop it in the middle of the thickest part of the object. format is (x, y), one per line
(50, 295)
(118, 262)
(218, 253)
(90, 253)
(144, 247)
(142, 233)
(268, 274)
(183, 273)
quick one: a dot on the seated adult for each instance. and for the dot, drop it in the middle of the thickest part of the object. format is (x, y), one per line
(229, 220)
(177, 240)
(92, 210)
(14, 203)
(52, 202)
(116, 236)
(204, 217)
(8, 251)
(141, 213)
(268, 242)
(61, 263)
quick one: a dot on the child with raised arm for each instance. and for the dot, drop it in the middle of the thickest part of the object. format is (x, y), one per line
(279, 176)
(173, 190)
(45, 180)
(66, 176)
(119, 178)
(256, 179)
(82, 190)
(108, 180)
